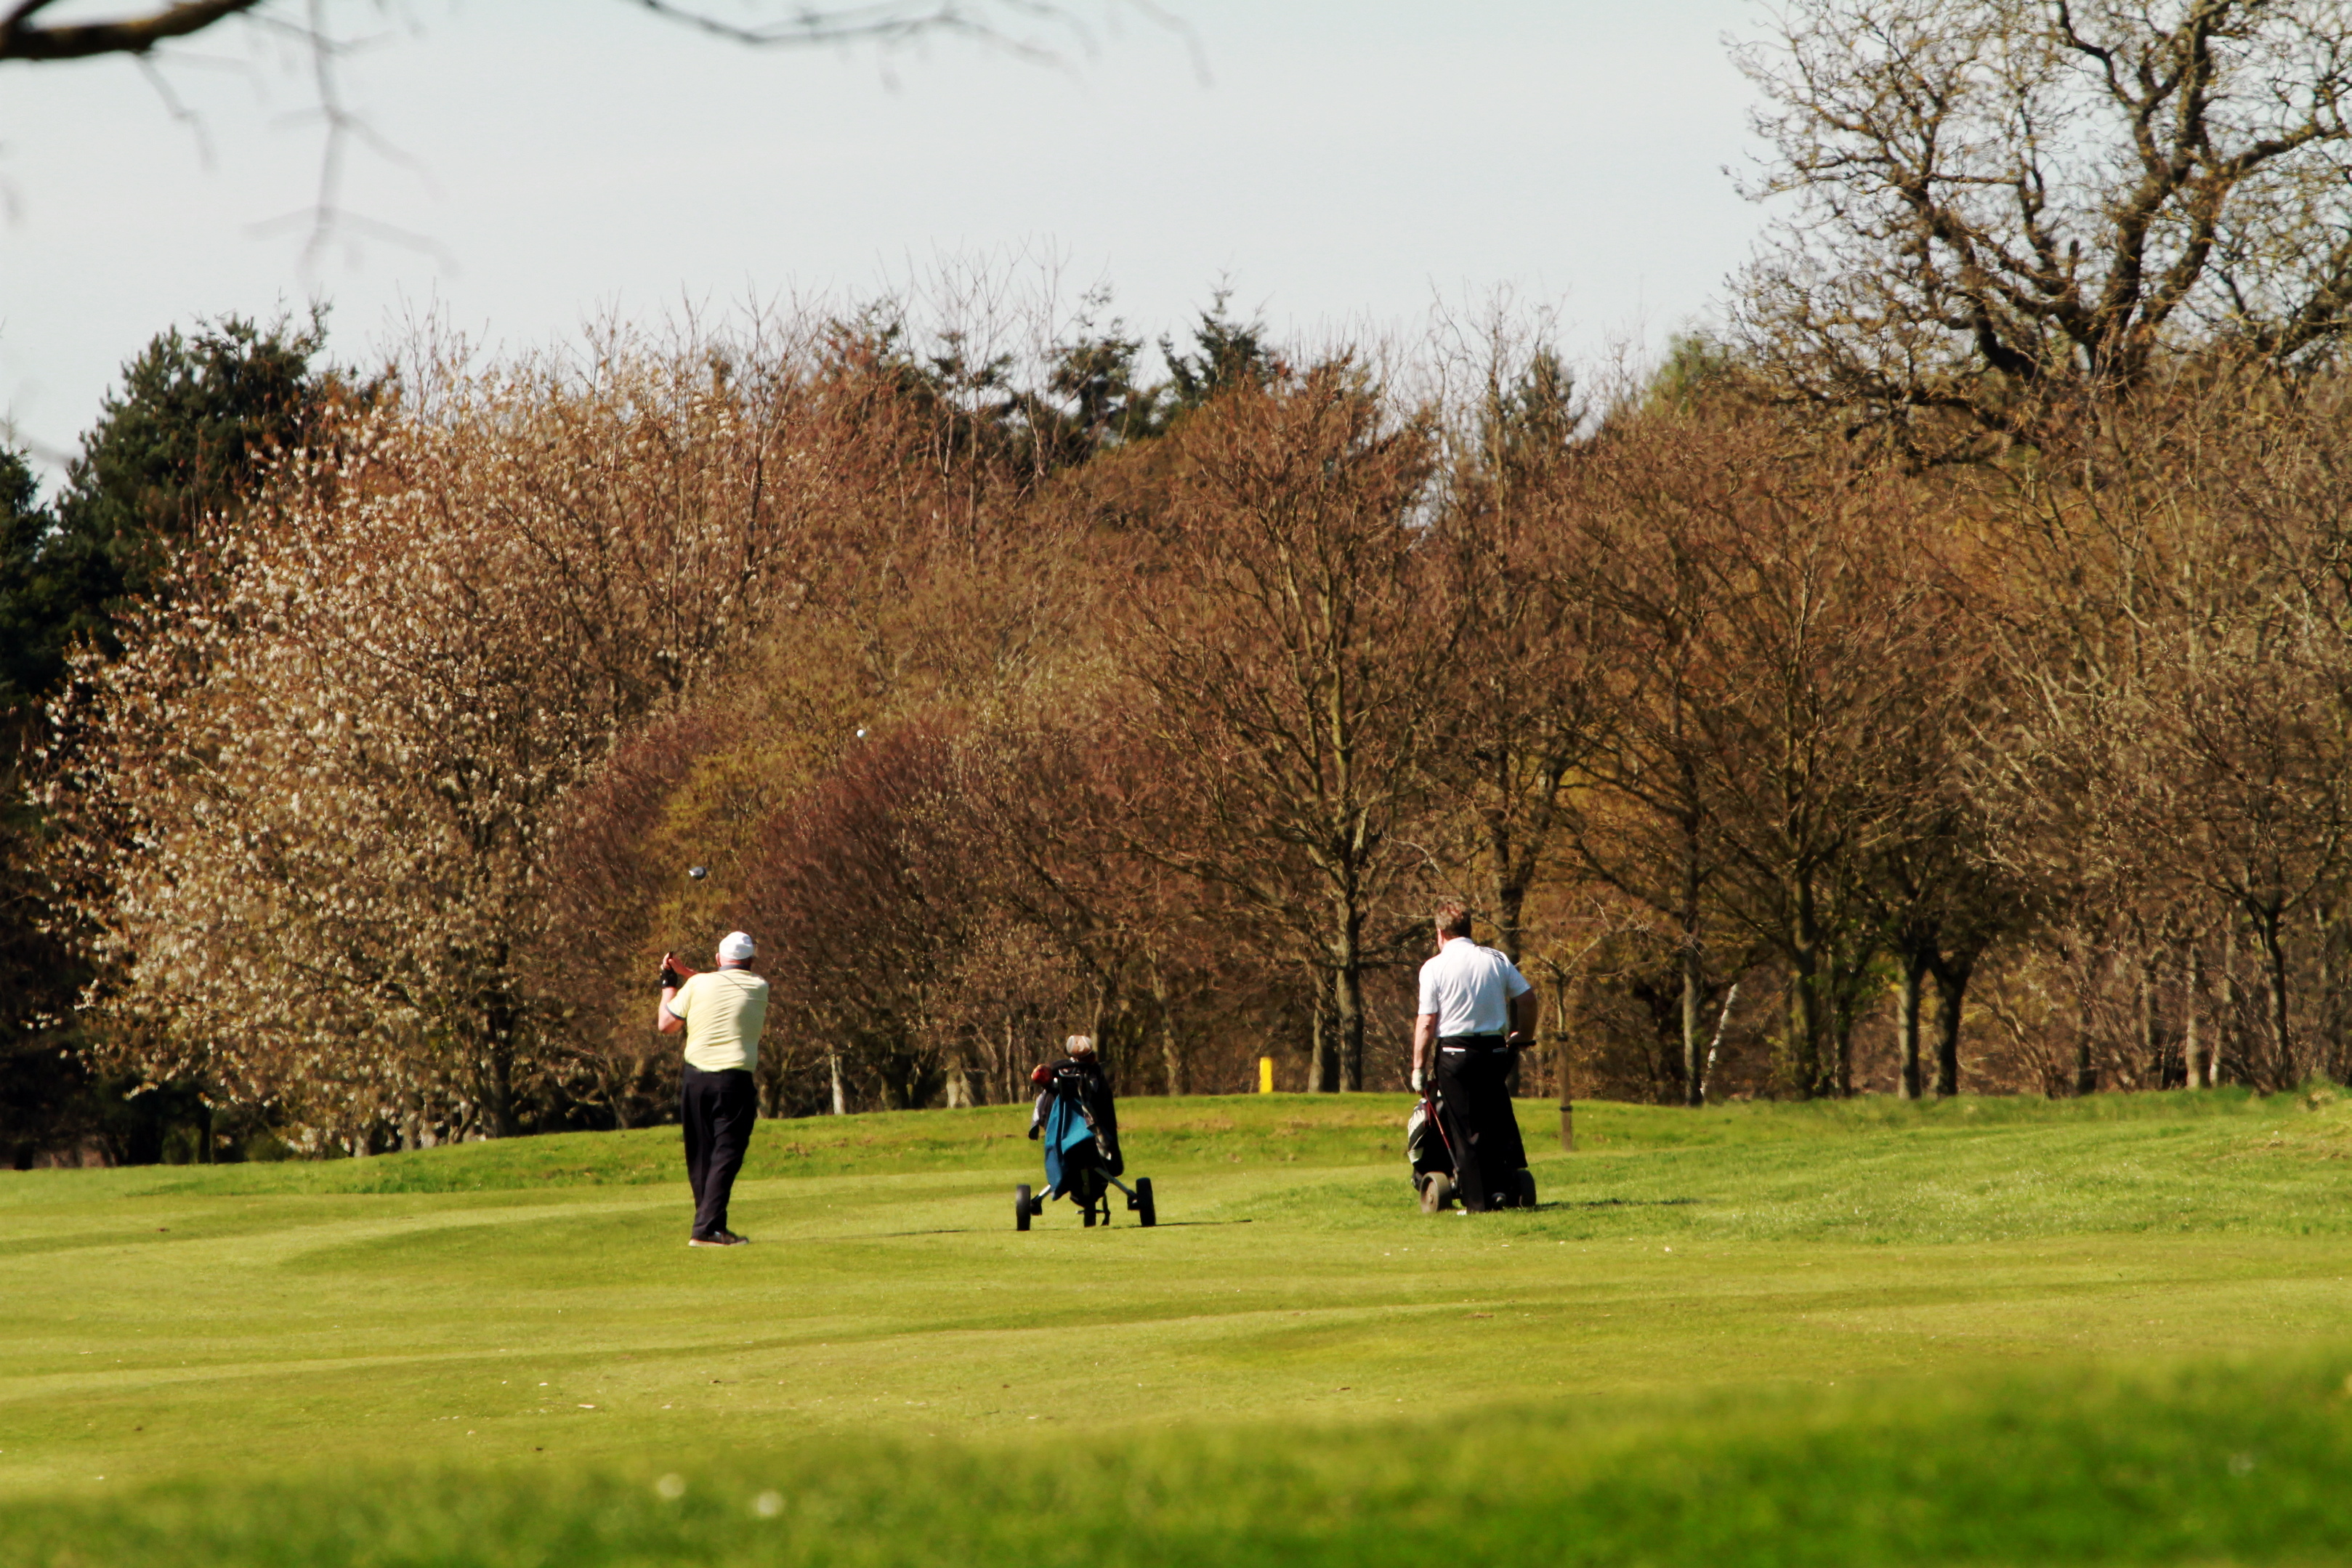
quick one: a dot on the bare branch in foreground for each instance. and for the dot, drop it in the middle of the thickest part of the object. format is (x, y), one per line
(22, 39)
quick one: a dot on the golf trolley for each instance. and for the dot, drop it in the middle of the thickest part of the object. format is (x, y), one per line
(1435, 1173)
(1094, 1205)
(1078, 1123)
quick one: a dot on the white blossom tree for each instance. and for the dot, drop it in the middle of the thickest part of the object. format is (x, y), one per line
(309, 808)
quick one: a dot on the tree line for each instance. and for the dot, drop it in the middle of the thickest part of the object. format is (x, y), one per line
(1933, 682)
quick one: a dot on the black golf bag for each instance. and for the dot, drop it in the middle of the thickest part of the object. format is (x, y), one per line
(1436, 1135)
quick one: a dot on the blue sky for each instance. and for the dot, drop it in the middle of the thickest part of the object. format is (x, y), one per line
(1343, 166)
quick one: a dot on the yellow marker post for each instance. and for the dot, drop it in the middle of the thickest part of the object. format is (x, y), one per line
(1265, 1075)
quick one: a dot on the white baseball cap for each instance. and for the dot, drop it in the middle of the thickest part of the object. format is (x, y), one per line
(736, 947)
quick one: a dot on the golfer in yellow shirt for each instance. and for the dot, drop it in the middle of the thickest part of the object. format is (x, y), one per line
(721, 1011)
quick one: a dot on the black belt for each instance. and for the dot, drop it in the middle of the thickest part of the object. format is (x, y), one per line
(1473, 1042)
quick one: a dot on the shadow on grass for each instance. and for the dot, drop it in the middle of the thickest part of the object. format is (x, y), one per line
(992, 1229)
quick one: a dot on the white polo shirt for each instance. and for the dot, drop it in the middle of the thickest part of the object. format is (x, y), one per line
(1470, 988)
(723, 1010)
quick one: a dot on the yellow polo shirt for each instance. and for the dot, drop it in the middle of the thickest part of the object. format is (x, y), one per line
(723, 1010)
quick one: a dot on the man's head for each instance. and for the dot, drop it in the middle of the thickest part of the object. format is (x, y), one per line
(735, 950)
(1080, 1045)
(1452, 920)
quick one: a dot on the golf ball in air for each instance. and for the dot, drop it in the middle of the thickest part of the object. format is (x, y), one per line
(697, 872)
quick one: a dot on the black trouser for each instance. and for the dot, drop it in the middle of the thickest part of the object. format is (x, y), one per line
(718, 1109)
(1474, 1094)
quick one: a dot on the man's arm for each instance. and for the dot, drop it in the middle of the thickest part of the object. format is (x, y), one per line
(1525, 1009)
(1424, 1036)
(674, 976)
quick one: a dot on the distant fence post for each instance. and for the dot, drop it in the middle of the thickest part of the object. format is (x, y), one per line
(1265, 1075)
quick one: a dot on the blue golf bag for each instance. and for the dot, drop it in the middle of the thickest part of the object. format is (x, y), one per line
(1076, 1119)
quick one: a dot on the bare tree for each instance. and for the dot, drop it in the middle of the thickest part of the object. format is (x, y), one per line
(1831, 636)
(1287, 674)
(1508, 573)
(1941, 900)
(1647, 830)
(1934, 885)
(1778, 623)
(1045, 804)
(881, 930)
(1998, 207)
(2179, 743)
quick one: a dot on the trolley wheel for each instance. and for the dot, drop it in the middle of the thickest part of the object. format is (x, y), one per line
(1436, 1193)
(1527, 1189)
(1022, 1207)
(1143, 1203)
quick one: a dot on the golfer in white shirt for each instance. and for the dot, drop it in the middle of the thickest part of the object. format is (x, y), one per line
(721, 1011)
(1476, 1008)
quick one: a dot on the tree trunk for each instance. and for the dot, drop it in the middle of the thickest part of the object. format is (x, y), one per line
(2275, 994)
(1348, 1016)
(497, 1098)
(2225, 1003)
(2084, 1072)
(1172, 1048)
(1694, 968)
(1805, 1033)
(1842, 1036)
(2152, 1063)
(1906, 1024)
(1510, 901)
(1951, 991)
(1320, 1078)
(840, 1096)
(2086, 1076)
(1559, 1011)
(1100, 1026)
(1793, 1049)
(2327, 1019)
(1805, 977)
(1694, 1067)
(501, 1024)
(1174, 1069)
(2192, 1064)
(620, 1093)
(1715, 1043)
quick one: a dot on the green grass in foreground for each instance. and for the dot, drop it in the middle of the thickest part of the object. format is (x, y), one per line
(2233, 1465)
(2112, 1331)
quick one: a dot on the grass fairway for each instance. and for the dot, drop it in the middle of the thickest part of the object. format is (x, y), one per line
(2116, 1329)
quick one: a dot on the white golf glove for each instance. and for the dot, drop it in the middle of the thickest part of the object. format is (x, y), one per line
(1417, 1080)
